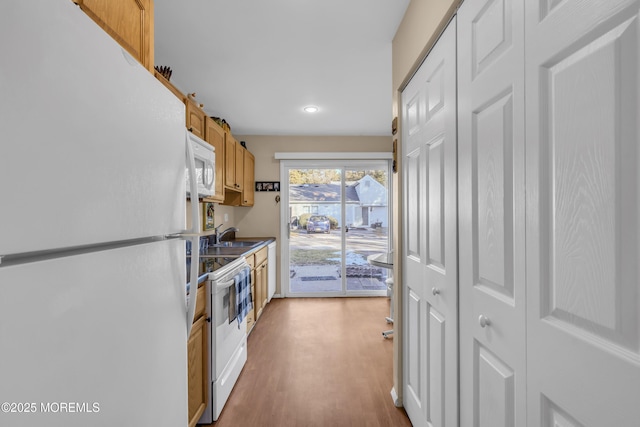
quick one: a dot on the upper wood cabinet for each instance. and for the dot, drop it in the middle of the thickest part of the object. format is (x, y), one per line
(214, 135)
(195, 119)
(129, 22)
(230, 163)
(248, 189)
(239, 172)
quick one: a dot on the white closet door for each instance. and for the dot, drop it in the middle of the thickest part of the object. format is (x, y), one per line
(430, 258)
(491, 213)
(583, 193)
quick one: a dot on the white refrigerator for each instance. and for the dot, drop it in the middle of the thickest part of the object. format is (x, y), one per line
(93, 313)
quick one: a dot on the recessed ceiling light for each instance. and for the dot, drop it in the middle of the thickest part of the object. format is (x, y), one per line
(311, 109)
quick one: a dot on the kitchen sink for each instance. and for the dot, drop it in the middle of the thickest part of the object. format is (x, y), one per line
(236, 244)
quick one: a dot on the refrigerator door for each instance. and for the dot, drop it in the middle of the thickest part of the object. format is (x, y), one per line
(96, 338)
(92, 144)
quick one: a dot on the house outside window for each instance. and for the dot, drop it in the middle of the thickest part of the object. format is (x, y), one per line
(365, 202)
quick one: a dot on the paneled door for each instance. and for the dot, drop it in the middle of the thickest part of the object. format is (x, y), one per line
(583, 195)
(491, 213)
(430, 252)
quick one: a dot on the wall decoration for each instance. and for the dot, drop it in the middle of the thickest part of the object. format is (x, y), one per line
(267, 185)
(207, 216)
(394, 126)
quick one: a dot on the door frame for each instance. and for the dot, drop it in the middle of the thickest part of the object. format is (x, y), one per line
(323, 161)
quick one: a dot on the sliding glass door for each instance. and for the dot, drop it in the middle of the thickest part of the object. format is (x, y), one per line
(336, 215)
(367, 208)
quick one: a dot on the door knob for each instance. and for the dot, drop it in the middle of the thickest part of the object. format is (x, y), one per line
(484, 320)
(435, 291)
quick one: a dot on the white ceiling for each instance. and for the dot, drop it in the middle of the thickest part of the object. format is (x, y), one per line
(257, 63)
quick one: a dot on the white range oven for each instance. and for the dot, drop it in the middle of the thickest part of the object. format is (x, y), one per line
(228, 339)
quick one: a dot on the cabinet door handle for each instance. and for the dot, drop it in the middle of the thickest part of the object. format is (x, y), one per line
(484, 321)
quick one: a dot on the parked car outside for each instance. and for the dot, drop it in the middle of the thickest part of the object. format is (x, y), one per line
(318, 223)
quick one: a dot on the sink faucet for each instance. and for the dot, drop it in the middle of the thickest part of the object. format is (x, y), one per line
(220, 234)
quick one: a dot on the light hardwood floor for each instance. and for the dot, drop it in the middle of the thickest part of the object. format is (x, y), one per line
(317, 362)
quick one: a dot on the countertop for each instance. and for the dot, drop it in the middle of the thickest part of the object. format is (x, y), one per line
(215, 258)
(236, 252)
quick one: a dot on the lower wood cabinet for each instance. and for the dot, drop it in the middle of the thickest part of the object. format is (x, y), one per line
(261, 288)
(261, 280)
(198, 360)
(258, 262)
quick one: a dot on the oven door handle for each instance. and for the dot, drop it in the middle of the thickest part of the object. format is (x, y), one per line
(225, 285)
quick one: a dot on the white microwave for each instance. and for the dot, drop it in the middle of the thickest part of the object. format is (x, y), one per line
(205, 161)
